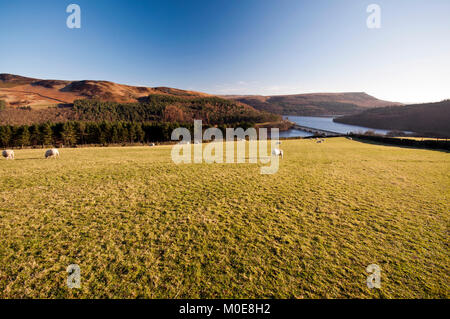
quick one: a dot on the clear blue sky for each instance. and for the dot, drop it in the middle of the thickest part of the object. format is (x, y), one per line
(236, 46)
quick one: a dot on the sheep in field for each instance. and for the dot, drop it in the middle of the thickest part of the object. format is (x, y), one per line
(277, 152)
(8, 154)
(52, 153)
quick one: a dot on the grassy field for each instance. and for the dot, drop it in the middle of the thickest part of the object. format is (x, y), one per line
(140, 226)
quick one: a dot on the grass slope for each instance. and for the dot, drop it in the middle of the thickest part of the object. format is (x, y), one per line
(140, 226)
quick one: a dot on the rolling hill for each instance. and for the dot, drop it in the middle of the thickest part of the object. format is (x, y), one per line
(22, 91)
(428, 119)
(33, 100)
(313, 104)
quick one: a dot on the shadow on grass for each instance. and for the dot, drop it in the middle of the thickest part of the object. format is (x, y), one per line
(29, 159)
(421, 147)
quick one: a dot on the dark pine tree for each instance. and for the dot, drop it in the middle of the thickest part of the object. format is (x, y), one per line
(22, 136)
(68, 134)
(5, 136)
(46, 134)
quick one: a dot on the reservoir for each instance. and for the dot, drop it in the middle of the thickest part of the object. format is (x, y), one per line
(323, 123)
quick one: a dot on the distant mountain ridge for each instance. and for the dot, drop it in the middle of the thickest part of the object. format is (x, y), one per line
(313, 104)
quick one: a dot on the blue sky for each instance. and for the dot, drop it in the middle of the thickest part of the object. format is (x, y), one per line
(236, 46)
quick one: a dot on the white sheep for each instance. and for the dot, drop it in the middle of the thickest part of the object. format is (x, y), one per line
(8, 154)
(277, 152)
(52, 153)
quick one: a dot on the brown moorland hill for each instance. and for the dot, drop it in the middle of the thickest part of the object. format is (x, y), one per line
(19, 91)
(14, 80)
(429, 119)
(313, 104)
(32, 100)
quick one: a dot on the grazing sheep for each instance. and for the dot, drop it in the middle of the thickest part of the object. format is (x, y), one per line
(8, 154)
(52, 153)
(277, 152)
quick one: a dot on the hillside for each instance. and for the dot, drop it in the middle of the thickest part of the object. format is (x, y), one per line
(32, 101)
(428, 119)
(314, 104)
(19, 91)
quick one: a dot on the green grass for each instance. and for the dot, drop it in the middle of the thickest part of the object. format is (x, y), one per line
(140, 226)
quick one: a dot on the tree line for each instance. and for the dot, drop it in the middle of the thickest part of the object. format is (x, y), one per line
(99, 133)
(213, 110)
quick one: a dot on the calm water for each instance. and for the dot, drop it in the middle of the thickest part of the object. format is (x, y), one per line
(294, 133)
(324, 123)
